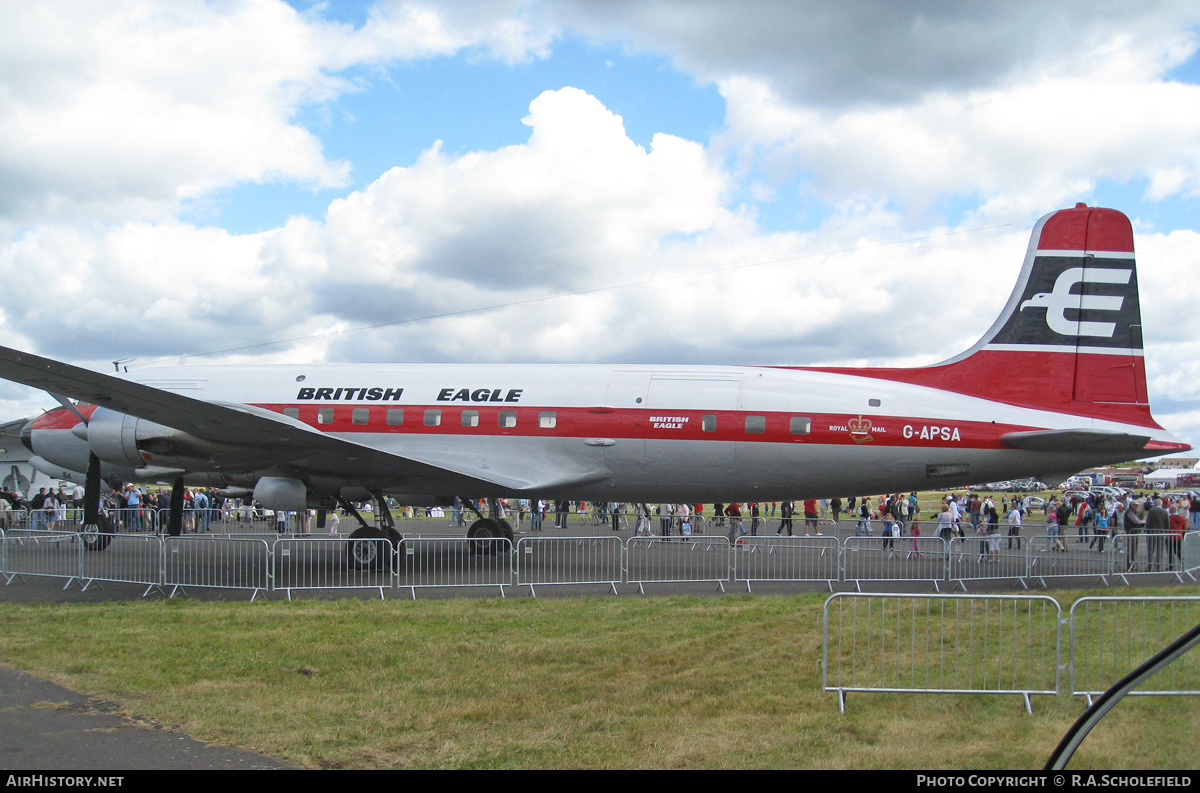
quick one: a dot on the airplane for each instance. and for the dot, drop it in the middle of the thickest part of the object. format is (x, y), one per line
(1056, 385)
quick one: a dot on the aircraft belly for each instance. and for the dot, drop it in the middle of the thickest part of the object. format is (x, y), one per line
(772, 472)
(690, 471)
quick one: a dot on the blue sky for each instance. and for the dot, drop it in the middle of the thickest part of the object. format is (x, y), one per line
(469, 104)
(470, 101)
(241, 172)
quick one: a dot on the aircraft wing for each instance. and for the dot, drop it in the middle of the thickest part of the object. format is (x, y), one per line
(13, 428)
(297, 443)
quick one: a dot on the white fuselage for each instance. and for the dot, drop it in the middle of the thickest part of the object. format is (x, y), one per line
(649, 433)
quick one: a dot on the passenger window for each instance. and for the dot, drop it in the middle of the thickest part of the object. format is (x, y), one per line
(709, 423)
(470, 418)
(508, 418)
(547, 419)
(360, 415)
(756, 424)
(433, 418)
(292, 413)
(801, 425)
(395, 416)
(324, 415)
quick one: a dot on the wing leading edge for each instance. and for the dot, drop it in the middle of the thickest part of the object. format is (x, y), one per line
(297, 443)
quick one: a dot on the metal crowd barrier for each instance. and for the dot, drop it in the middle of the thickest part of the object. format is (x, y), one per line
(569, 560)
(1190, 556)
(946, 644)
(1062, 556)
(972, 559)
(787, 559)
(45, 519)
(128, 558)
(454, 562)
(665, 560)
(316, 562)
(217, 562)
(894, 559)
(198, 521)
(1145, 552)
(1111, 637)
(331, 563)
(41, 552)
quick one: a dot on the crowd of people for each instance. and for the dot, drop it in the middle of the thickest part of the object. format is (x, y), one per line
(997, 521)
(135, 508)
(1098, 518)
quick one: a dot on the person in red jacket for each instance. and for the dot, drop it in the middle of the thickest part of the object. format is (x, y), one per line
(734, 512)
(1175, 538)
(810, 516)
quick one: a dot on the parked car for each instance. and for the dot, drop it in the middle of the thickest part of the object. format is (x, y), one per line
(1107, 491)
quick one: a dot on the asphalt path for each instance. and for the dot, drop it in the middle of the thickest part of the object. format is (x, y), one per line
(44, 728)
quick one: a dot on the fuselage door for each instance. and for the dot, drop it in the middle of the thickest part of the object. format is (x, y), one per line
(626, 403)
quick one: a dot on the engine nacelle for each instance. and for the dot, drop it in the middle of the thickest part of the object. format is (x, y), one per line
(281, 493)
(126, 440)
(58, 440)
(113, 437)
(49, 436)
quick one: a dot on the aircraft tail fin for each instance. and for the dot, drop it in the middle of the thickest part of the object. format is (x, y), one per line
(1070, 336)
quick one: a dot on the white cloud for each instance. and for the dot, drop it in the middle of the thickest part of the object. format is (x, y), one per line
(139, 288)
(121, 111)
(509, 30)
(1015, 107)
(872, 52)
(1166, 279)
(1024, 147)
(579, 206)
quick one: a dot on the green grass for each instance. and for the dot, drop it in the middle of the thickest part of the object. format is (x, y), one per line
(672, 682)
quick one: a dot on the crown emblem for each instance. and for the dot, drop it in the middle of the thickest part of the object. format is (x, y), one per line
(860, 429)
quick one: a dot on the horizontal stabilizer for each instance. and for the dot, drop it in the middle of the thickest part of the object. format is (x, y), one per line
(1079, 440)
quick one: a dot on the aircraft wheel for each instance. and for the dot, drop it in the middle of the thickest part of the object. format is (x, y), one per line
(366, 552)
(487, 535)
(97, 537)
(506, 529)
(397, 542)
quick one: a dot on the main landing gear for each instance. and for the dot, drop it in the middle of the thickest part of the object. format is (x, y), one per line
(96, 536)
(367, 549)
(489, 532)
(97, 528)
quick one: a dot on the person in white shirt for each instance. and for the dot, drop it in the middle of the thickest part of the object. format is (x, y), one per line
(1014, 530)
